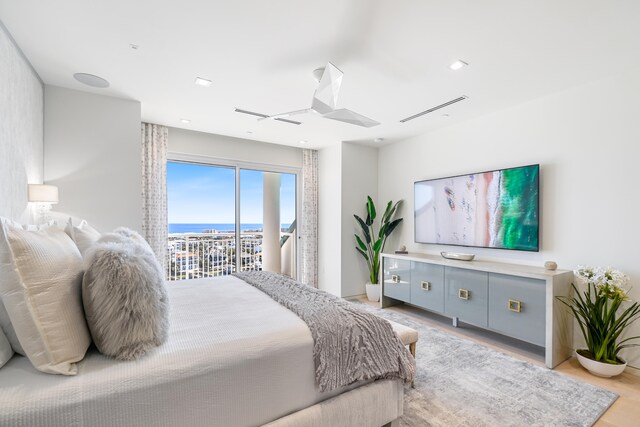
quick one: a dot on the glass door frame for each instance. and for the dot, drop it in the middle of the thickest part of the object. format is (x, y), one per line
(239, 165)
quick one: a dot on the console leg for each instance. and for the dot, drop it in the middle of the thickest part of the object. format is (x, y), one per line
(455, 322)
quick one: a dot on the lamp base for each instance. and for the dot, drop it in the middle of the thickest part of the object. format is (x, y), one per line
(42, 215)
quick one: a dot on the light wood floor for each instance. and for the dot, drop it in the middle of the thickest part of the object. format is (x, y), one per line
(625, 412)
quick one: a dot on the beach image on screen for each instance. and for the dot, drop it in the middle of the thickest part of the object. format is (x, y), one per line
(496, 209)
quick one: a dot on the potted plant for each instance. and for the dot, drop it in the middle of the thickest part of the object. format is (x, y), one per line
(603, 312)
(371, 244)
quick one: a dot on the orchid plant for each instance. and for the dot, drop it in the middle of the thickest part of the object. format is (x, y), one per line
(603, 311)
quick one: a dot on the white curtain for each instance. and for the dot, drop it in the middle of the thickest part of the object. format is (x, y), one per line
(309, 219)
(154, 188)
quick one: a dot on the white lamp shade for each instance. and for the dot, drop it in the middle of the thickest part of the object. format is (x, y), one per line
(43, 193)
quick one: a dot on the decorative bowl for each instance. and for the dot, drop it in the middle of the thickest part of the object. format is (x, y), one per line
(457, 256)
(600, 369)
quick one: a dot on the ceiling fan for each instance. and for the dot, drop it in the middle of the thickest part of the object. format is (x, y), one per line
(325, 99)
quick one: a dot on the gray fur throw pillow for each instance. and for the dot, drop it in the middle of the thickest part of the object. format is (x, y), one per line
(124, 296)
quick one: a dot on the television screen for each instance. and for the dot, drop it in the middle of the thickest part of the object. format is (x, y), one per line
(497, 209)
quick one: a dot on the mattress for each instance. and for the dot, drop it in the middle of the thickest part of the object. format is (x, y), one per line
(234, 357)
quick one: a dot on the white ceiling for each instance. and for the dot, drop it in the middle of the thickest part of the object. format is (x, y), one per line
(260, 55)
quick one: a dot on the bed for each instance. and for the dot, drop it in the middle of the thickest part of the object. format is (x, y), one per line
(234, 357)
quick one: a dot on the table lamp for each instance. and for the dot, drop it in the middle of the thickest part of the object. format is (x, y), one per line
(43, 196)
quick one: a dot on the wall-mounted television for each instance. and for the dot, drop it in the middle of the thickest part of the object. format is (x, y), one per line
(494, 209)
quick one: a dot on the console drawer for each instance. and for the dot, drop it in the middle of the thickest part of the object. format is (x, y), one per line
(397, 279)
(427, 286)
(466, 295)
(517, 307)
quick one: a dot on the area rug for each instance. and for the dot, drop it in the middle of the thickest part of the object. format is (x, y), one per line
(461, 383)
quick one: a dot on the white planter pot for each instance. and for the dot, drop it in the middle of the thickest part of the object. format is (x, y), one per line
(373, 292)
(600, 369)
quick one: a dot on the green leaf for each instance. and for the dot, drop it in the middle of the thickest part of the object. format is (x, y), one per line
(382, 230)
(377, 245)
(371, 210)
(365, 229)
(392, 226)
(360, 243)
(364, 254)
(393, 210)
(385, 216)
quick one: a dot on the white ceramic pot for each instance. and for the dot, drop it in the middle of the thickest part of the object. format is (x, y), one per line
(600, 369)
(373, 292)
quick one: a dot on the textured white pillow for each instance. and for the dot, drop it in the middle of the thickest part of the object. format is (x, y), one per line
(5, 348)
(7, 327)
(124, 296)
(40, 287)
(83, 235)
(6, 258)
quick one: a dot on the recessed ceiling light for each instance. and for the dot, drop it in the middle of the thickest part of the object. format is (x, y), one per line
(378, 140)
(91, 80)
(134, 46)
(203, 82)
(249, 131)
(302, 141)
(185, 121)
(458, 64)
(445, 115)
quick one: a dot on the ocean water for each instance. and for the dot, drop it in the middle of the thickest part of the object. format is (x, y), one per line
(200, 228)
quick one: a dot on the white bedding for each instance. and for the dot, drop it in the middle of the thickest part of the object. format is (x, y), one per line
(234, 357)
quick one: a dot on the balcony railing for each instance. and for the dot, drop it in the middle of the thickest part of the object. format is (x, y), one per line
(196, 255)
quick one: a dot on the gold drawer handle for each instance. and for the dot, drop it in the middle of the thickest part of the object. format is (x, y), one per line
(395, 278)
(463, 294)
(426, 286)
(514, 305)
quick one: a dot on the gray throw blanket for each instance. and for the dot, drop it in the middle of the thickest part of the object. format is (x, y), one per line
(349, 344)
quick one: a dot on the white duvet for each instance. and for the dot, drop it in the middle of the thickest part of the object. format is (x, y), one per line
(234, 357)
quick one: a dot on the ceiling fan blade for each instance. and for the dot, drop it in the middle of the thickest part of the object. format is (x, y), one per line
(351, 117)
(325, 97)
(288, 114)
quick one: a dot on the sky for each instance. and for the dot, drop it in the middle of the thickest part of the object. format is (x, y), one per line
(202, 194)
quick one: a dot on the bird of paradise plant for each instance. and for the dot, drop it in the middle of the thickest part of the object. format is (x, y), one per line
(371, 244)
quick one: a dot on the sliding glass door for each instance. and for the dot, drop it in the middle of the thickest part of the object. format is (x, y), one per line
(224, 219)
(202, 220)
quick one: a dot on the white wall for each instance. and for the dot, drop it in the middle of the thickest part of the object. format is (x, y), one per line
(359, 180)
(21, 121)
(347, 173)
(587, 141)
(329, 219)
(194, 143)
(92, 153)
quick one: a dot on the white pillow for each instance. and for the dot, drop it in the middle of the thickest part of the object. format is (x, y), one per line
(83, 235)
(7, 258)
(5, 349)
(41, 273)
(7, 327)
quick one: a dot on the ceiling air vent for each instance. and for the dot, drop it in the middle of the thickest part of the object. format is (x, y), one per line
(264, 116)
(431, 110)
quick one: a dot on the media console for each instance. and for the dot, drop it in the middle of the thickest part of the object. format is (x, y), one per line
(514, 300)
